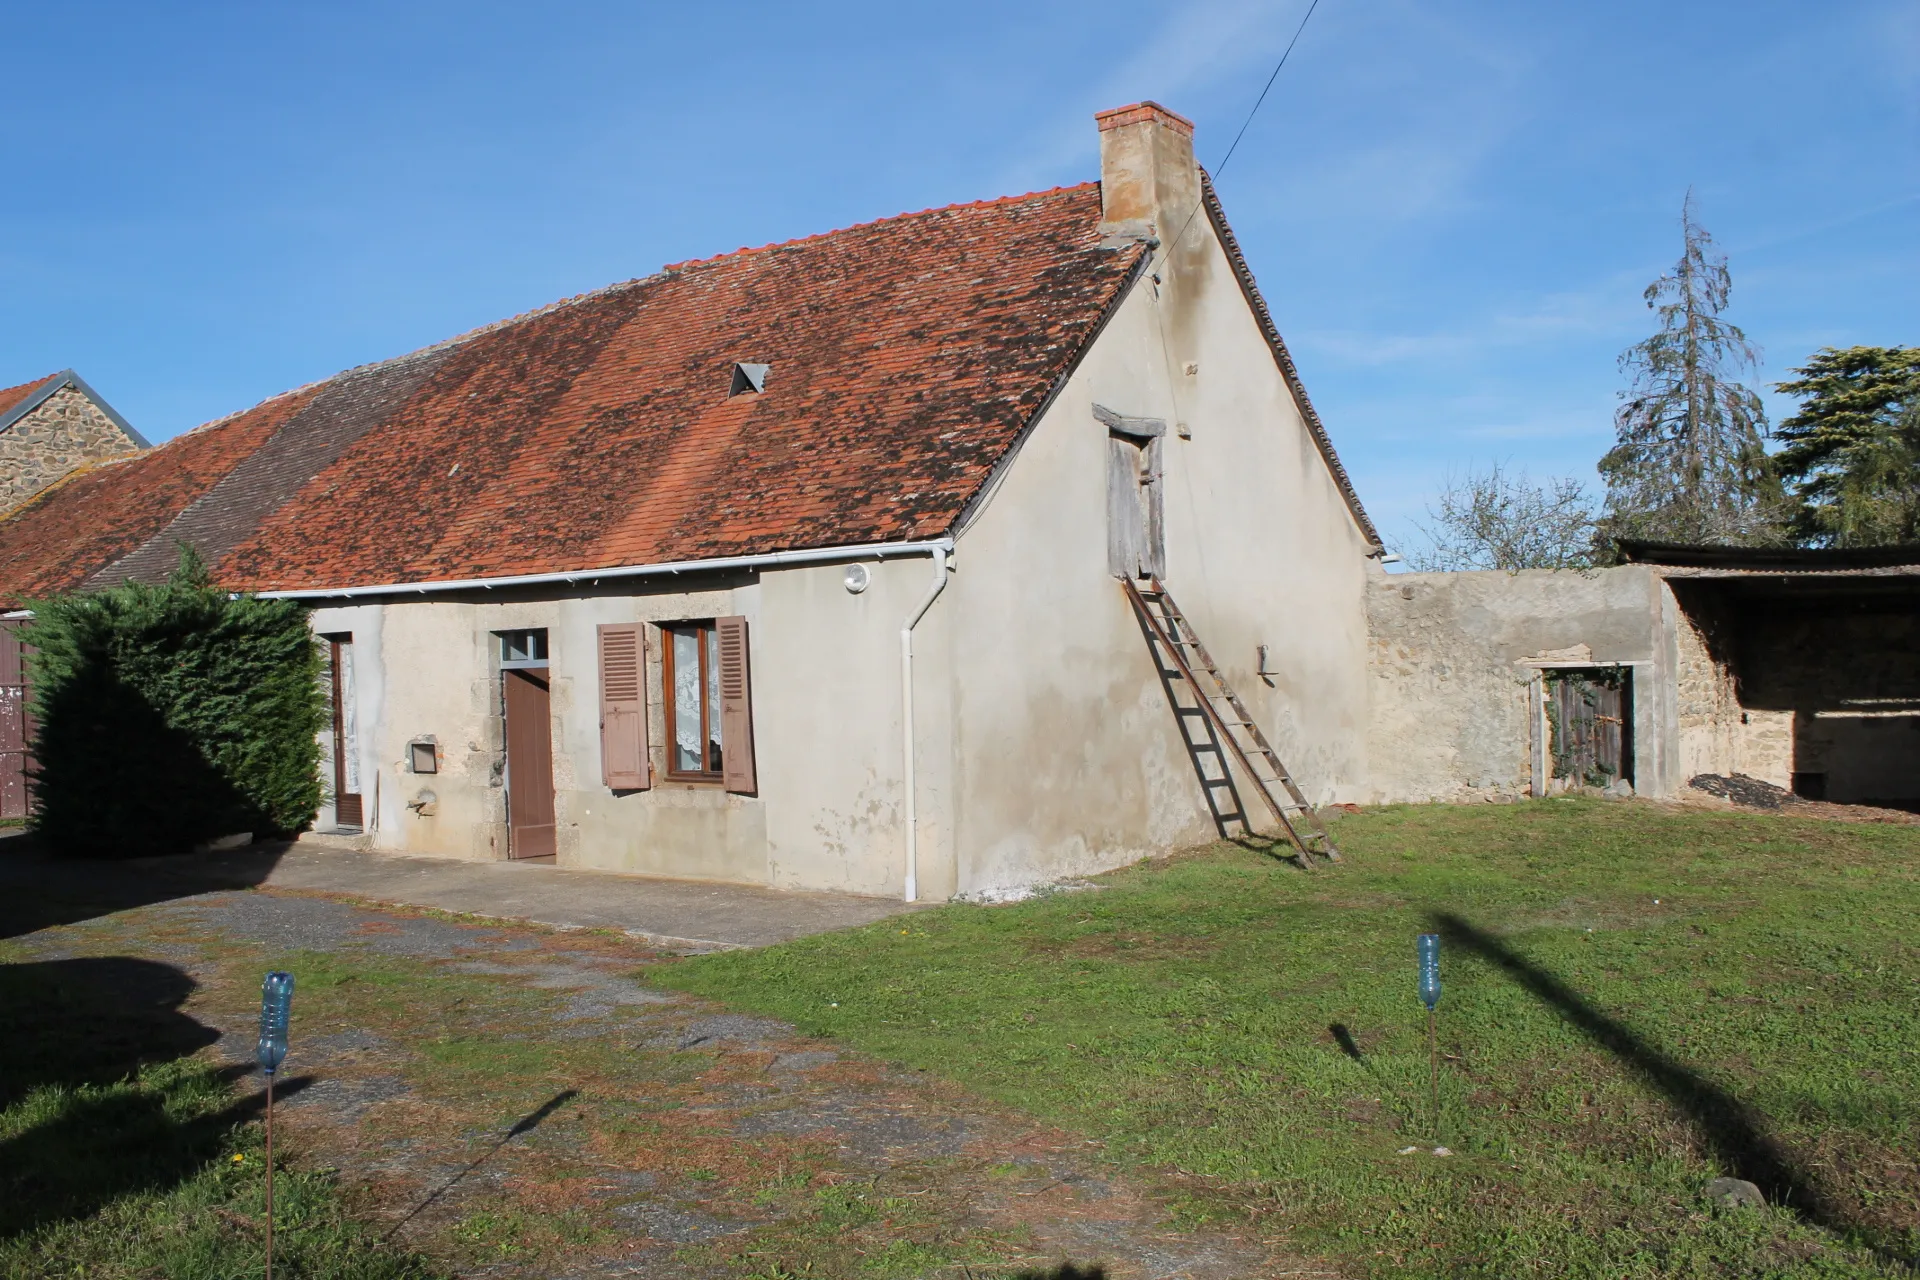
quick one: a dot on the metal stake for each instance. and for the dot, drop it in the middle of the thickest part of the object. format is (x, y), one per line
(276, 1009)
(1427, 947)
(1433, 1075)
(269, 1175)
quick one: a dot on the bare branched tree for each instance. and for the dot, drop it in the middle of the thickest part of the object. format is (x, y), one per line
(1688, 464)
(1497, 520)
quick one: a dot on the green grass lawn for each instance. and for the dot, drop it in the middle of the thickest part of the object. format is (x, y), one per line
(1637, 999)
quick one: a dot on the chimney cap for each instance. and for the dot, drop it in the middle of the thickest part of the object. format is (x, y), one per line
(1142, 113)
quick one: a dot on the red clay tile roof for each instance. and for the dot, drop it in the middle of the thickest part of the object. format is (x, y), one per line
(11, 396)
(906, 357)
(99, 514)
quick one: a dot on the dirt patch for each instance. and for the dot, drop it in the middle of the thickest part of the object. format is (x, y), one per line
(513, 1101)
(1751, 793)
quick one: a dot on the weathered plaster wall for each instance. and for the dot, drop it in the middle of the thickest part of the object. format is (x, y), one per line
(826, 695)
(1069, 758)
(1451, 716)
(64, 431)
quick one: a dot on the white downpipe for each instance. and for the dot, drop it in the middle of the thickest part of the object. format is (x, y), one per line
(939, 584)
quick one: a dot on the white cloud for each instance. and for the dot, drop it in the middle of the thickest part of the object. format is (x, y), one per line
(1609, 309)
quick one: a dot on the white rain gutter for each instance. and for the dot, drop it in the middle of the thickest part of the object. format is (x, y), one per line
(768, 560)
(939, 551)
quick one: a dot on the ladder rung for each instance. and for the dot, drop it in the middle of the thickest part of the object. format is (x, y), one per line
(1170, 627)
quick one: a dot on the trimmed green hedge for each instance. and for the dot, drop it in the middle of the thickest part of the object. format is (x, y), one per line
(172, 715)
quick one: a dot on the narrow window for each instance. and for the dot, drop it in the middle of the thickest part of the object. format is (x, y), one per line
(692, 676)
(1136, 521)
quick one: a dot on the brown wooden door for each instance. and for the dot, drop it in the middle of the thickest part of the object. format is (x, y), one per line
(1592, 713)
(347, 809)
(529, 763)
(15, 729)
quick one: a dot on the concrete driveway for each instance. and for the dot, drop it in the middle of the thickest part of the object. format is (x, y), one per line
(680, 915)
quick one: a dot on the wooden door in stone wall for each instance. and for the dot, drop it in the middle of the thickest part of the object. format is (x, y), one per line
(16, 729)
(1590, 710)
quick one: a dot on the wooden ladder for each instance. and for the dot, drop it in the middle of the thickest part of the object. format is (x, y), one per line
(1169, 630)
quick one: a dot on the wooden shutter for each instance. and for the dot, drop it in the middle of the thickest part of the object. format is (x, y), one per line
(623, 708)
(1126, 532)
(736, 707)
(1153, 552)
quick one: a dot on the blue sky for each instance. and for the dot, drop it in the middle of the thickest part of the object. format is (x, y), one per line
(1452, 208)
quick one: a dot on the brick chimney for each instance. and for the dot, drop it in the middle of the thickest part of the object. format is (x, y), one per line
(1148, 180)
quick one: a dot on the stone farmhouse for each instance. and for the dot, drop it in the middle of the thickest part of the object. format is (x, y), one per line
(796, 566)
(834, 564)
(52, 426)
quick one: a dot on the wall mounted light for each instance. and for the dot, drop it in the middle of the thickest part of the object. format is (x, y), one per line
(858, 578)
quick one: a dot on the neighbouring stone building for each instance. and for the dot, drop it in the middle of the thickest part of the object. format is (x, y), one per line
(51, 427)
(1800, 668)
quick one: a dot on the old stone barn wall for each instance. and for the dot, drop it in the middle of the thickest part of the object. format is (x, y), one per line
(1454, 658)
(1716, 730)
(64, 431)
(1817, 691)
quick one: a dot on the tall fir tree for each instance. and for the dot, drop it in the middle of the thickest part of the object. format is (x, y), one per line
(1688, 464)
(1852, 453)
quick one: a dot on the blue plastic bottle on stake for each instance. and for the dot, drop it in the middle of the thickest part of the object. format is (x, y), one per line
(1430, 970)
(276, 1007)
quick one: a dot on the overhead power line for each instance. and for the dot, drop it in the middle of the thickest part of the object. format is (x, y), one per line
(1222, 166)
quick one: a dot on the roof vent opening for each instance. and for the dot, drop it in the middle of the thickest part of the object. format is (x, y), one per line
(748, 377)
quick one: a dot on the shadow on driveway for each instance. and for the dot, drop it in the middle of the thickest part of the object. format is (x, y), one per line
(38, 890)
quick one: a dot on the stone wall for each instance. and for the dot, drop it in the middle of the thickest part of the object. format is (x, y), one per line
(1827, 689)
(1453, 656)
(64, 431)
(1718, 730)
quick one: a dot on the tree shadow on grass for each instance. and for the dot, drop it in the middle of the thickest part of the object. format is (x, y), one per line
(1731, 1129)
(86, 1136)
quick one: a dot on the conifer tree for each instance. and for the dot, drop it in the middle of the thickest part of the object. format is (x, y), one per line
(1852, 453)
(1688, 464)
